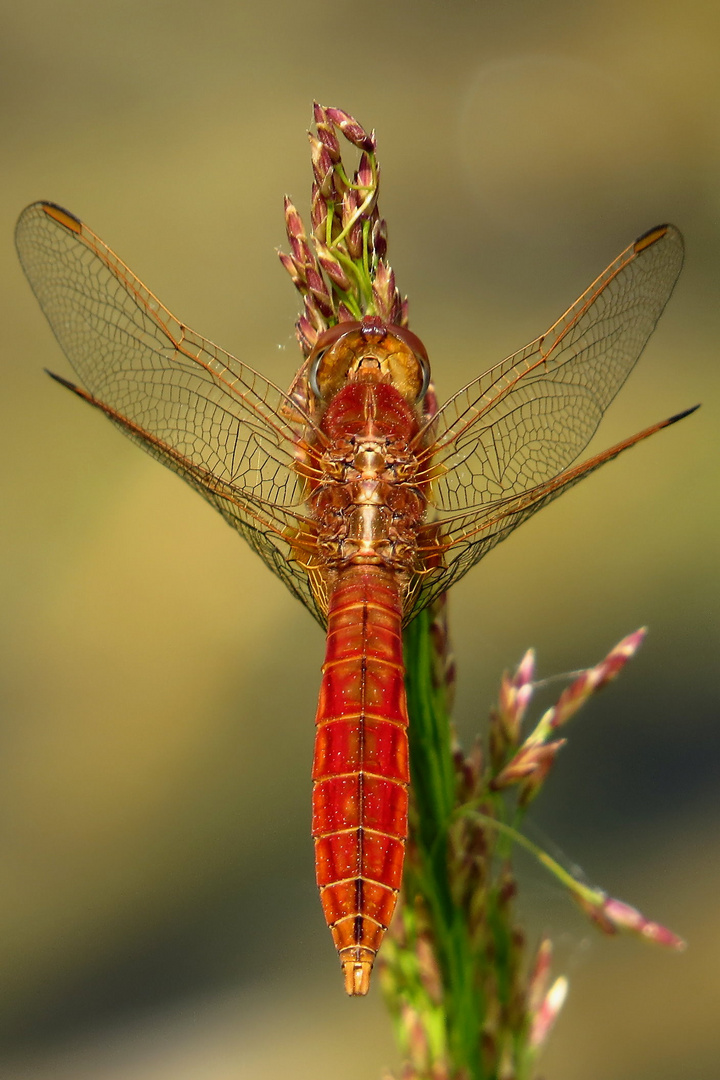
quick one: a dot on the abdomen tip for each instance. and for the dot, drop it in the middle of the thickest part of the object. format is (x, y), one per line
(356, 970)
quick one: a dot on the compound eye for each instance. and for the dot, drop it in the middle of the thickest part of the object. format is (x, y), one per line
(419, 352)
(313, 377)
(409, 374)
(425, 368)
(328, 372)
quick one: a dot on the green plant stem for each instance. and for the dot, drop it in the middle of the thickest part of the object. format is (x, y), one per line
(434, 794)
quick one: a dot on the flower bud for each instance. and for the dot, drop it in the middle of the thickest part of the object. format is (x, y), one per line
(383, 291)
(539, 976)
(296, 274)
(320, 292)
(378, 238)
(364, 177)
(547, 1014)
(314, 314)
(613, 915)
(306, 334)
(352, 131)
(326, 133)
(318, 213)
(322, 166)
(333, 268)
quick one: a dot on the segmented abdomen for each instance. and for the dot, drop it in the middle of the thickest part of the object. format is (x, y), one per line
(360, 769)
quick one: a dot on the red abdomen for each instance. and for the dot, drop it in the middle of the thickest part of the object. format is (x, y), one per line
(360, 769)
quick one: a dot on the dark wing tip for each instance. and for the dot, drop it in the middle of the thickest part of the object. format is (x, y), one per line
(63, 382)
(681, 415)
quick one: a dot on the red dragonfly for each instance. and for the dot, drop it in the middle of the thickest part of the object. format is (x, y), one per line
(362, 495)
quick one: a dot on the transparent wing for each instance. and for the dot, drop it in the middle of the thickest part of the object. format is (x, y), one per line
(502, 445)
(462, 540)
(229, 432)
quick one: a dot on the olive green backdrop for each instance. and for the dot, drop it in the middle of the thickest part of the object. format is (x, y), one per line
(158, 913)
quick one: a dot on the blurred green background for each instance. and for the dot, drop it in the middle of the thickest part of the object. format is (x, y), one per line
(158, 913)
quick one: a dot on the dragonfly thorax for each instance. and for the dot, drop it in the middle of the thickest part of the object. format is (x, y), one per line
(366, 506)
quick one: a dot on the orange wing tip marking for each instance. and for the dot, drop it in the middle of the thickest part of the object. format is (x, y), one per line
(63, 217)
(357, 963)
(649, 238)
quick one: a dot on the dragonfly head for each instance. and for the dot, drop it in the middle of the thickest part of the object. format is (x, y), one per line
(369, 351)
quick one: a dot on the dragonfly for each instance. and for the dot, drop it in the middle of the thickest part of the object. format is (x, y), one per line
(366, 498)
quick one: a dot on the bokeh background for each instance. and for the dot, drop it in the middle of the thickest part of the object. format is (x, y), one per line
(158, 913)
